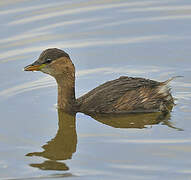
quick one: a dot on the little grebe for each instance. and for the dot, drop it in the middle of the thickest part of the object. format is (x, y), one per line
(122, 95)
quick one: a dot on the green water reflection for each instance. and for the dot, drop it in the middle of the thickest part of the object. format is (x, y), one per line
(64, 144)
(61, 147)
(140, 120)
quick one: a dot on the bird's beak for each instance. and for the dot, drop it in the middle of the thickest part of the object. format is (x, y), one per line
(32, 67)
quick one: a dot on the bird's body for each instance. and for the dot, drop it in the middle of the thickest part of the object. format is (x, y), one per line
(122, 95)
(127, 94)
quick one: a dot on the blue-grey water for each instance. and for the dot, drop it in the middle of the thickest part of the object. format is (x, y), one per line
(105, 39)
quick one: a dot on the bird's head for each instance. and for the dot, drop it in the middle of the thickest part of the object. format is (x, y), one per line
(52, 61)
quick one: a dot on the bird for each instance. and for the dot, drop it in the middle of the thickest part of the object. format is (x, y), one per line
(122, 95)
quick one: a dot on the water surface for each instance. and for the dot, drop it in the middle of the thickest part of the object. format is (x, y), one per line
(105, 39)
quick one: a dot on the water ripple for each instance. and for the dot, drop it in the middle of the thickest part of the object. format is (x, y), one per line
(22, 36)
(160, 8)
(88, 43)
(155, 141)
(26, 9)
(37, 84)
(145, 19)
(8, 2)
(65, 23)
(76, 11)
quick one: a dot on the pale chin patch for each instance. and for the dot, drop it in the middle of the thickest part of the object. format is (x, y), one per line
(46, 70)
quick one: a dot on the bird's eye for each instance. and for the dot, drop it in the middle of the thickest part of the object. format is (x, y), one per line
(48, 60)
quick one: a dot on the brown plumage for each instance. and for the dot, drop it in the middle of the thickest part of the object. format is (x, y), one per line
(127, 94)
(122, 95)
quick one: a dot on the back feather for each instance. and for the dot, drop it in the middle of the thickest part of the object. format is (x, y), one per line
(170, 79)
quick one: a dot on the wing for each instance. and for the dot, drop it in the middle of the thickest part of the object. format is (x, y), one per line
(112, 96)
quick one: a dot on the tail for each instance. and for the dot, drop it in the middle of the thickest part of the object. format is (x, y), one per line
(170, 79)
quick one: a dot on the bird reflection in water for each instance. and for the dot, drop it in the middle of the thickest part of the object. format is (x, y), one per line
(61, 147)
(64, 144)
(134, 120)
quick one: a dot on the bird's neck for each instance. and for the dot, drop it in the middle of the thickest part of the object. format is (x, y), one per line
(66, 92)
